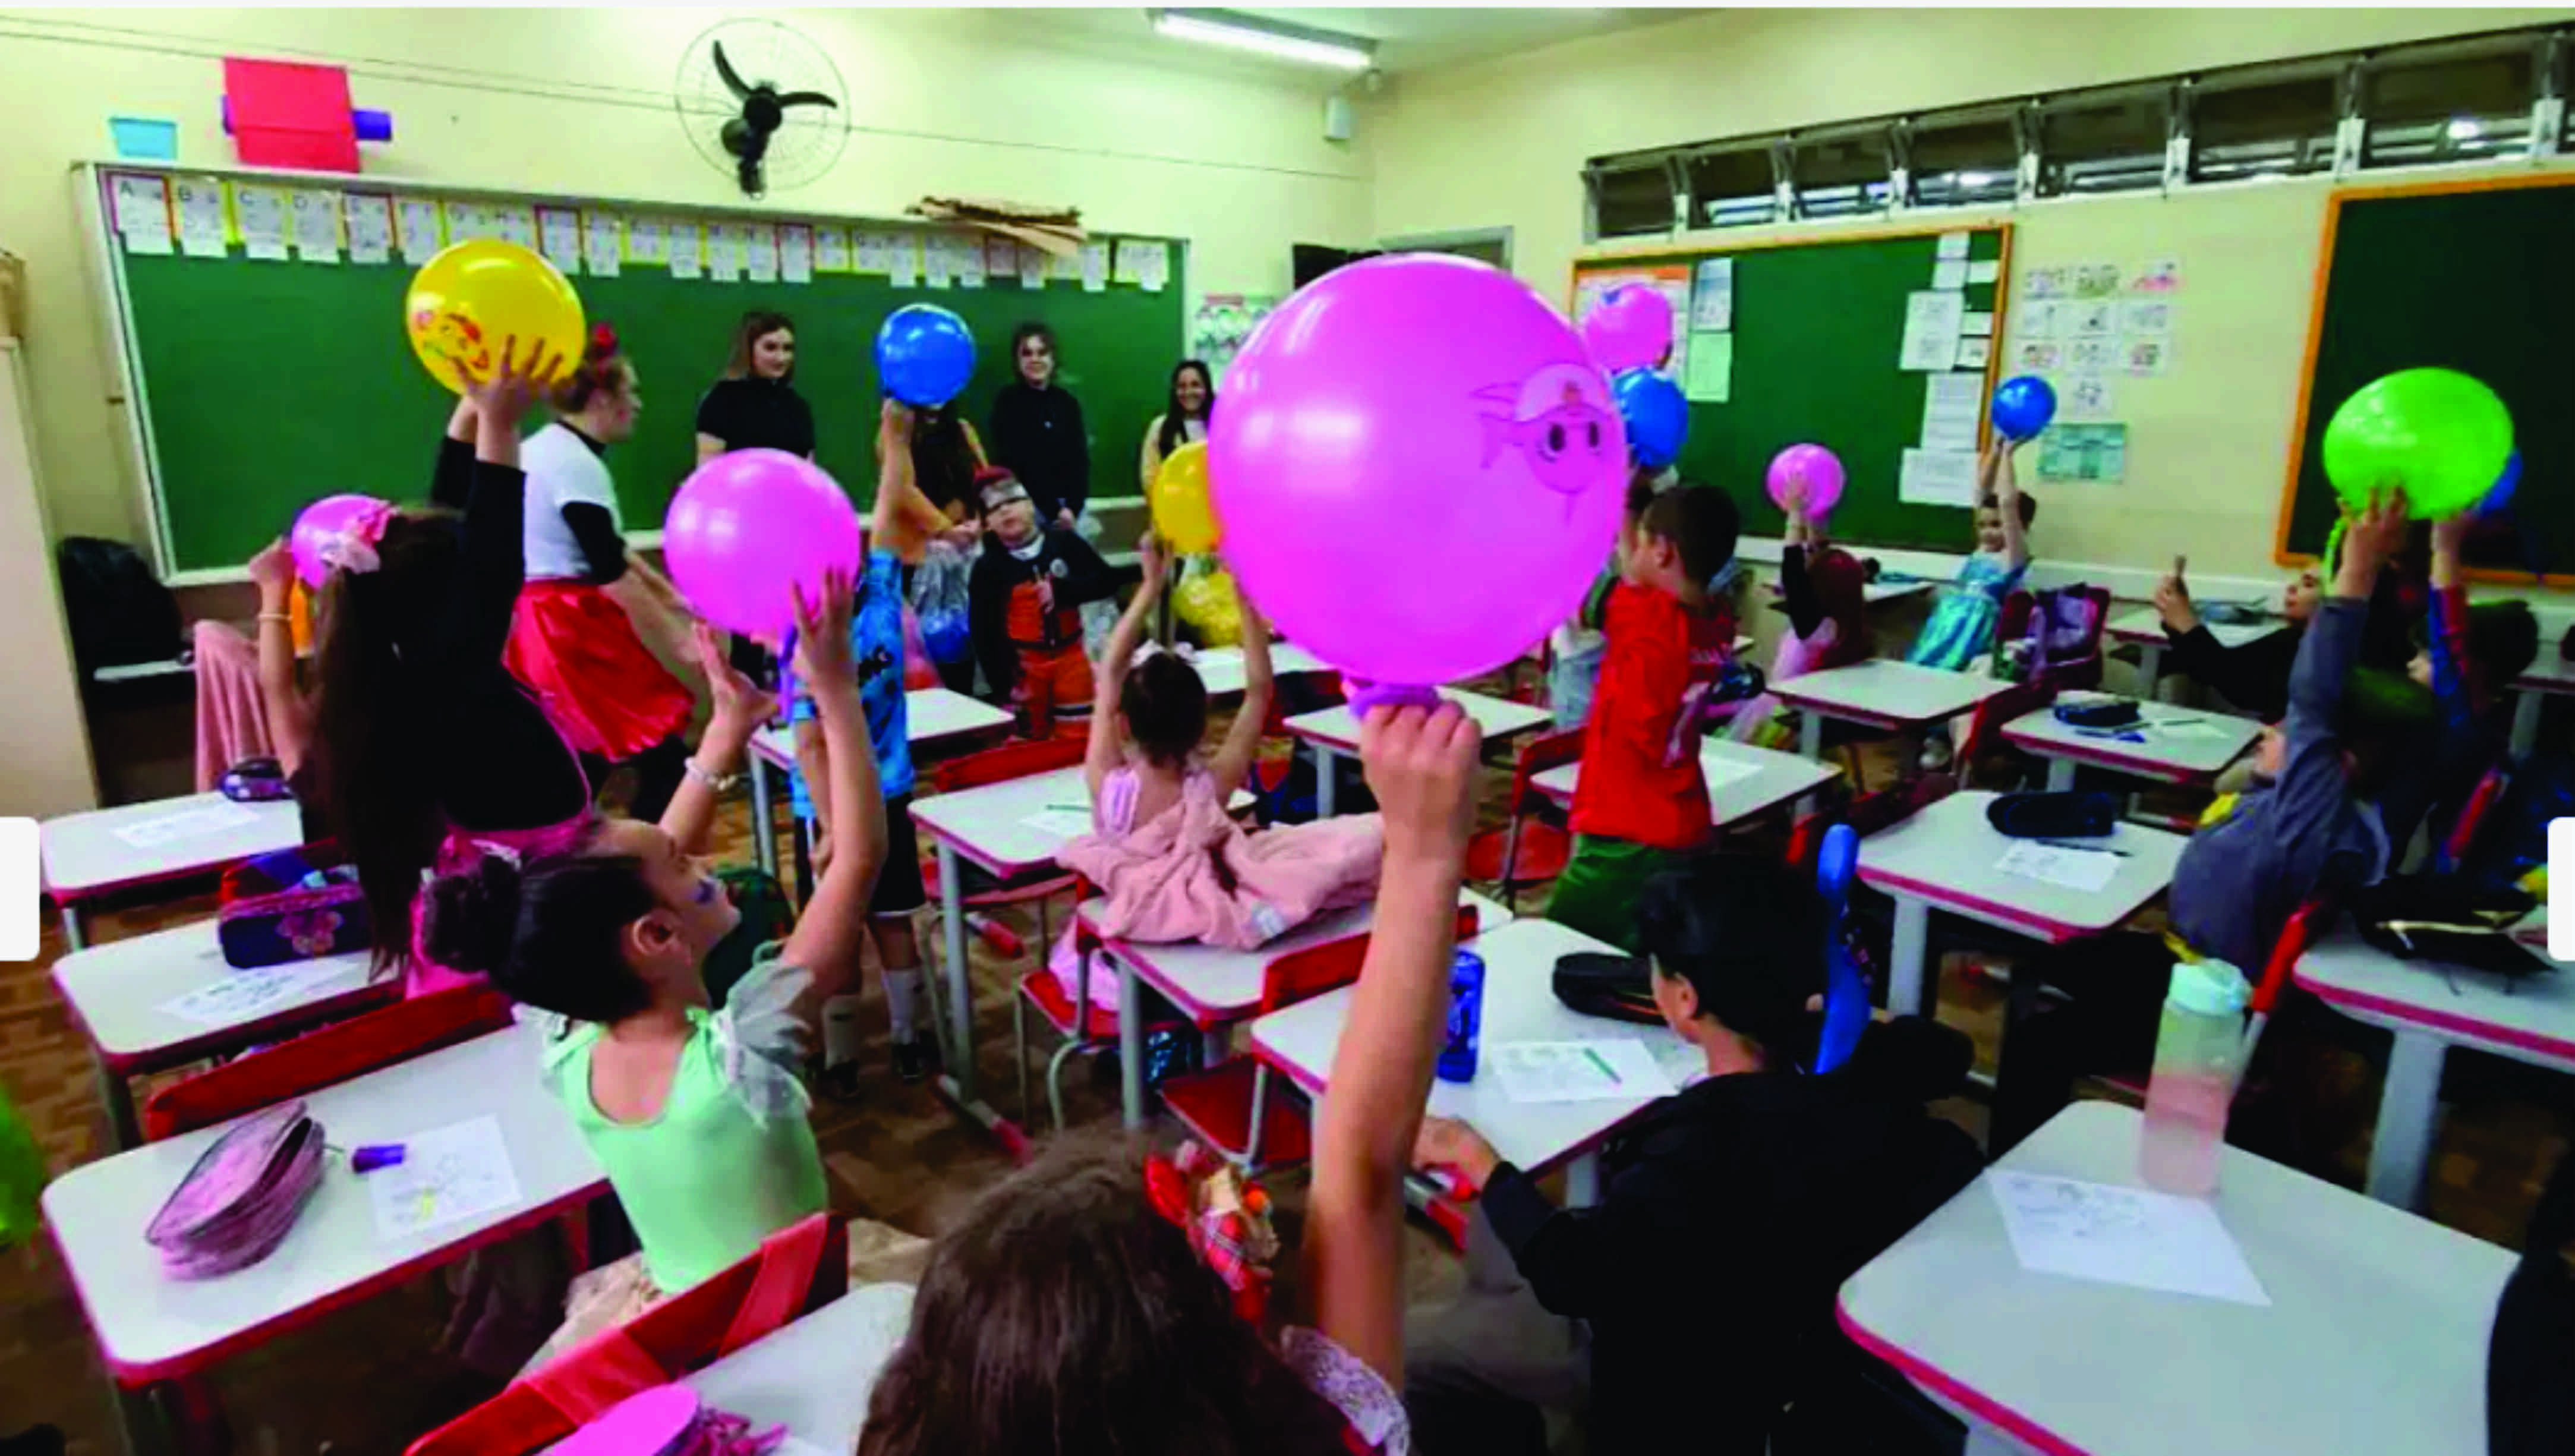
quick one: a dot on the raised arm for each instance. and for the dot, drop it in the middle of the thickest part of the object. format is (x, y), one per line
(1421, 767)
(473, 624)
(740, 709)
(902, 518)
(826, 936)
(1101, 755)
(452, 482)
(2007, 500)
(1233, 761)
(290, 718)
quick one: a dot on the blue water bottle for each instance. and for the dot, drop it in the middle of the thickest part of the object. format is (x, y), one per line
(1466, 1016)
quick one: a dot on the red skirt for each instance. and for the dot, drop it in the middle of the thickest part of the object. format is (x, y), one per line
(577, 650)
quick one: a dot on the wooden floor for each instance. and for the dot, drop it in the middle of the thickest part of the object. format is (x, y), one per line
(367, 1380)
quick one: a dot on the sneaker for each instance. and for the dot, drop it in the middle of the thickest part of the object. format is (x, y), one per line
(1935, 753)
(914, 1060)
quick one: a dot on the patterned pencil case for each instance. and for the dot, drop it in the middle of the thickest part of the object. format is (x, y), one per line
(297, 904)
(237, 1204)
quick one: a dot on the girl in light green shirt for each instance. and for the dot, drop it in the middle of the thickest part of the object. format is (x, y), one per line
(696, 1114)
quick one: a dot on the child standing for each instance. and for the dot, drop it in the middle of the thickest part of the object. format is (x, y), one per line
(1960, 632)
(697, 1115)
(1024, 604)
(1642, 798)
(1574, 647)
(1087, 1305)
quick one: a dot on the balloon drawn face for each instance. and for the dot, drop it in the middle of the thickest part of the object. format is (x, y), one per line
(1559, 420)
(451, 335)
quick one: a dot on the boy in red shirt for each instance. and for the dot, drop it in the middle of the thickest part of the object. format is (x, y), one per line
(1641, 800)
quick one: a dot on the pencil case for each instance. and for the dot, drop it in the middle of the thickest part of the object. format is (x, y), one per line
(2054, 815)
(237, 1204)
(296, 905)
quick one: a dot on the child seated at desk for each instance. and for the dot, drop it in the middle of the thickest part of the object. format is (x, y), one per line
(2255, 676)
(1960, 632)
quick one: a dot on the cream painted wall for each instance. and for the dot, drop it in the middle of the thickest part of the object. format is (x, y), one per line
(578, 101)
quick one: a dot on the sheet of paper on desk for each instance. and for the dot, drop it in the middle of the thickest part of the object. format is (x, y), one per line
(2188, 728)
(2084, 869)
(194, 824)
(1721, 772)
(1577, 1071)
(2131, 1236)
(447, 1174)
(245, 995)
(1071, 824)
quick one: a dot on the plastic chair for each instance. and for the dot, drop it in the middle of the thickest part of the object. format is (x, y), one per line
(797, 1270)
(983, 894)
(1531, 849)
(325, 1059)
(1083, 1026)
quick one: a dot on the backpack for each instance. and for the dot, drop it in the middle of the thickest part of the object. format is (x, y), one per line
(120, 613)
(2063, 631)
(2530, 1410)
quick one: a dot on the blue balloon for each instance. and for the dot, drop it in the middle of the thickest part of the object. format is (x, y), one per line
(925, 355)
(1845, 994)
(2499, 499)
(1656, 415)
(2023, 406)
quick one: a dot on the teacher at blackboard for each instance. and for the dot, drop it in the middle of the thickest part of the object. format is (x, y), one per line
(1037, 430)
(755, 406)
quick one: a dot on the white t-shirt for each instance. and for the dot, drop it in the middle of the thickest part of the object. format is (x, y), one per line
(562, 471)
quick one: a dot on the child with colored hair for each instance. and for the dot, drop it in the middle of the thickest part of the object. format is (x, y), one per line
(1024, 604)
(697, 1115)
(1103, 1299)
(1960, 632)
(1642, 799)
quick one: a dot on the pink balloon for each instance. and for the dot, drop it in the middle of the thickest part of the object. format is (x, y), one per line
(321, 523)
(1418, 469)
(1631, 328)
(747, 524)
(1813, 466)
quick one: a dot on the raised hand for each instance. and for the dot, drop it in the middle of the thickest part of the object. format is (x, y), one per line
(1421, 767)
(822, 658)
(741, 705)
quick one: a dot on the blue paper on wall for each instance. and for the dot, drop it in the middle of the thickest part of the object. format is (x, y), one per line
(143, 139)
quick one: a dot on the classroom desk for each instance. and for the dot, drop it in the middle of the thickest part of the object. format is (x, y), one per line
(2144, 631)
(153, 1328)
(1520, 1005)
(2431, 1007)
(1215, 986)
(1221, 669)
(2178, 744)
(814, 1375)
(931, 716)
(1880, 694)
(1009, 828)
(1742, 781)
(2374, 1340)
(1943, 859)
(1334, 731)
(120, 993)
(84, 856)
(2549, 672)
(1872, 593)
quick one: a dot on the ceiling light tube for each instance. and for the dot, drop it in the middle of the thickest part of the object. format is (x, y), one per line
(1268, 37)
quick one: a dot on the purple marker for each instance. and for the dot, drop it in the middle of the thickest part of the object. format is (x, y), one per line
(377, 1156)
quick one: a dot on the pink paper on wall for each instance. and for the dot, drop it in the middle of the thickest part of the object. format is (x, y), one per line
(289, 114)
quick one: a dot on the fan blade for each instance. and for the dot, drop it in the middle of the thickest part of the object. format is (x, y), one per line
(808, 98)
(725, 69)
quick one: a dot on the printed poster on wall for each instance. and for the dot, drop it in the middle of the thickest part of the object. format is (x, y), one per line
(2084, 453)
(141, 205)
(313, 214)
(261, 211)
(417, 228)
(204, 231)
(370, 220)
(603, 243)
(1672, 280)
(831, 249)
(1221, 324)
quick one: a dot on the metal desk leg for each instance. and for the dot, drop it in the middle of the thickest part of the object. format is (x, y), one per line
(2525, 722)
(75, 926)
(1810, 735)
(763, 828)
(1131, 1046)
(1907, 950)
(1582, 1181)
(960, 987)
(1327, 779)
(2407, 1107)
(2061, 775)
(2150, 668)
(117, 1097)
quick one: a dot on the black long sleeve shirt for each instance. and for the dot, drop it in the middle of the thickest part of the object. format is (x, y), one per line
(1039, 436)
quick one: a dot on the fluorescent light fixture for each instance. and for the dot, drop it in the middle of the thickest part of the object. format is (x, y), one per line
(1268, 37)
(2465, 130)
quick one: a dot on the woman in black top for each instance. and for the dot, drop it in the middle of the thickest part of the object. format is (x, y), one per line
(1037, 434)
(755, 406)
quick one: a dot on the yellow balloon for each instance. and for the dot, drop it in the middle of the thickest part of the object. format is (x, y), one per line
(1183, 512)
(469, 301)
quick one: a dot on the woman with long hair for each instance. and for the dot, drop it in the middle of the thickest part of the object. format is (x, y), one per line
(1184, 420)
(755, 405)
(1037, 429)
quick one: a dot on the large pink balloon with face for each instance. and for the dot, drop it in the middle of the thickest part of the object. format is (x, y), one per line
(750, 525)
(1418, 469)
(1631, 328)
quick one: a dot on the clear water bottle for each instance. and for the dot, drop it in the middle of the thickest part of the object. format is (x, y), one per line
(2200, 1052)
(1466, 1016)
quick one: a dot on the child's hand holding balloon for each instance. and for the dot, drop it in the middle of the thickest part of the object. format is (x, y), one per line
(823, 661)
(741, 705)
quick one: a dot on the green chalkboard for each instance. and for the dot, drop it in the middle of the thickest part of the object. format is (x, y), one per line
(1818, 333)
(266, 385)
(2473, 280)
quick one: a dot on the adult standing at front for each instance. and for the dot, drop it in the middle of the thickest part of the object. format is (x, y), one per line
(1037, 430)
(1184, 420)
(755, 405)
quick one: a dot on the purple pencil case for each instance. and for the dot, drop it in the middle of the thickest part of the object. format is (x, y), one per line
(236, 1205)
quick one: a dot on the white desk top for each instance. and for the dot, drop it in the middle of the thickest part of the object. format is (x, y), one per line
(1214, 984)
(1221, 669)
(1742, 781)
(2531, 1019)
(119, 989)
(151, 1327)
(2176, 757)
(814, 1376)
(2549, 672)
(930, 715)
(1945, 854)
(1520, 1005)
(1886, 694)
(989, 825)
(2375, 1338)
(1338, 728)
(83, 856)
(2147, 626)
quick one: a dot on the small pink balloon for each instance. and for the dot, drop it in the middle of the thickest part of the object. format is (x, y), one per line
(1418, 467)
(749, 525)
(323, 522)
(1631, 328)
(1810, 466)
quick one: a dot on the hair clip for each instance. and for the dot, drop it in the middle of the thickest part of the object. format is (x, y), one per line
(603, 339)
(353, 548)
(1225, 1216)
(506, 853)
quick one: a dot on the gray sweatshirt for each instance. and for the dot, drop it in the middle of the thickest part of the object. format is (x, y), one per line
(2239, 882)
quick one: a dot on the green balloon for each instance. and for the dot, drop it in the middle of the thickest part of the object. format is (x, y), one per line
(2437, 433)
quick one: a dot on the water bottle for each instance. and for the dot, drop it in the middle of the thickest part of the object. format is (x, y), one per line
(1466, 1016)
(2199, 1051)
